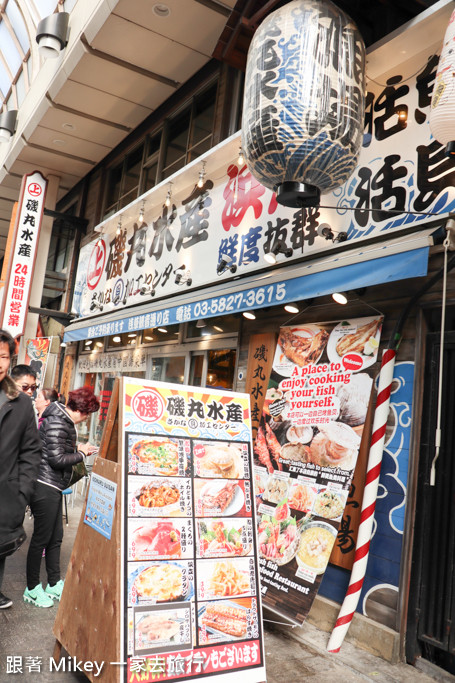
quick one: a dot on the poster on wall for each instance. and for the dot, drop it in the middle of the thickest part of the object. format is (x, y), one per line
(306, 452)
(36, 355)
(190, 572)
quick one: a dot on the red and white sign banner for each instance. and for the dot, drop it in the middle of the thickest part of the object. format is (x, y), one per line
(25, 245)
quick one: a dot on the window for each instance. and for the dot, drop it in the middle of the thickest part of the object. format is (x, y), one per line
(123, 183)
(184, 137)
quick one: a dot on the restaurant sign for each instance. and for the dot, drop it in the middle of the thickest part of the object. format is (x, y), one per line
(190, 576)
(306, 451)
(22, 262)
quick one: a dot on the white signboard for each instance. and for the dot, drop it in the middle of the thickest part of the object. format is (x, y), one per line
(22, 263)
(117, 361)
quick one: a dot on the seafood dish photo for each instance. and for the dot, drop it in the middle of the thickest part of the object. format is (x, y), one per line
(354, 399)
(217, 498)
(161, 582)
(217, 538)
(219, 460)
(161, 456)
(267, 447)
(278, 536)
(156, 627)
(158, 538)
(301, 497)
(329, 504)
(276, 489)
(315, 547)
(335, 445)
(355, 342)
(156, 495)
(226, 618)
(300, 348)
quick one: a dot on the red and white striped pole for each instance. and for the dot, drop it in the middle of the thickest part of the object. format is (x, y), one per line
(368, 503)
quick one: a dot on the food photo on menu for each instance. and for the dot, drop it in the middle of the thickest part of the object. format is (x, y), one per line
(160, 539)
(158, 582)
(159, 496)
(159, 455)
(288, 538)
(162, 629)
(220, 459)
(227, 620)
(221, 497)
(225, 578)
(224, 537)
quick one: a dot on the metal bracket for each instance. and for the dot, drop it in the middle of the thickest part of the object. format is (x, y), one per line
(450, 230)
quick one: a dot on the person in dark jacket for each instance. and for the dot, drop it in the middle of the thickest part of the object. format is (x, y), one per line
(20, 455)
(60, 453)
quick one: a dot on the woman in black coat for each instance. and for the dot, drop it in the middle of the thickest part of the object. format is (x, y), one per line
(60, 453)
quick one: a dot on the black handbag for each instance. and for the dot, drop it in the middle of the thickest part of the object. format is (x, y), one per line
(11, 546)
(79, 472)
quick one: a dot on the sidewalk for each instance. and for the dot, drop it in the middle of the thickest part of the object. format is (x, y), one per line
(26, 632)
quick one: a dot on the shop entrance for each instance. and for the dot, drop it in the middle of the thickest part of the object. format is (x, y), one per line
(431, 616)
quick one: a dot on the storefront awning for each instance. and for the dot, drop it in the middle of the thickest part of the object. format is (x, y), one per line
(395, 259)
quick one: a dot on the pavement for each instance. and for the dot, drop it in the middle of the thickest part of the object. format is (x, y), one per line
(27, 643)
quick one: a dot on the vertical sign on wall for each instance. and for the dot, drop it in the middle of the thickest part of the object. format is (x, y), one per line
(190, 576)
(22, 263)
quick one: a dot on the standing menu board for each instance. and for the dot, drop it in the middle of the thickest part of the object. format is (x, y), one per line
(306, 452)
(190, 582)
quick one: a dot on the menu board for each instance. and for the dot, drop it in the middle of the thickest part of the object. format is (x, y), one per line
(306, 451)
(190, 573)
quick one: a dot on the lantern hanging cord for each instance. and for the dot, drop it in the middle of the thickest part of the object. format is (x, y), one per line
(395, 337)
(403, 80)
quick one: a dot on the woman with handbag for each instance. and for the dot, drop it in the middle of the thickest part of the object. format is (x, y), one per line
(60, 452)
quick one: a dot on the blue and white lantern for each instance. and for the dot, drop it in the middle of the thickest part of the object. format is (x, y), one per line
(304, 101)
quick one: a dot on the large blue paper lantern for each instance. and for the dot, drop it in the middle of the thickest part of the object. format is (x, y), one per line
(304, 101)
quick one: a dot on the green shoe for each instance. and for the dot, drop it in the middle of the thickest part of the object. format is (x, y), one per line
(55, 592)
(38, 597)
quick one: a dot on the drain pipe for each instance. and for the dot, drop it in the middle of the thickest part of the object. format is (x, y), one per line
(352, 597)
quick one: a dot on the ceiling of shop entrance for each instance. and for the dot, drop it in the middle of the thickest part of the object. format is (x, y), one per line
(124, 58)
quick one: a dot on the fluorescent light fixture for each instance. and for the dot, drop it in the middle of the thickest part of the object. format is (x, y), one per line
(162, 329)
(132, 335)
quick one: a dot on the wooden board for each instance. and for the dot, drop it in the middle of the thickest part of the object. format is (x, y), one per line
(87, 624)
(260, 358)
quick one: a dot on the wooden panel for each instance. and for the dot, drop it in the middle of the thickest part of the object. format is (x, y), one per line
(344, 549)
(260, 357)
(88, 619)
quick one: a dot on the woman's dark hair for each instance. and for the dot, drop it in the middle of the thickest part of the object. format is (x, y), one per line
(49, 394)
(83, 399)
(6, 338)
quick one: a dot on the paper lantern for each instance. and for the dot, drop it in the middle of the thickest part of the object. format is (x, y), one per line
(442, 112)
(304, 101)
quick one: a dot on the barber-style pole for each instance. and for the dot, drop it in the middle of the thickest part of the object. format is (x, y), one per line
(368, 504)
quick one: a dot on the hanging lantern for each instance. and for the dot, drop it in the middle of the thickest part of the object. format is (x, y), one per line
(442, 112)
(304, 101)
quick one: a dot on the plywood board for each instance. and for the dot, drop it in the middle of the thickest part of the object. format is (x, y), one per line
(87, 622)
